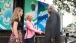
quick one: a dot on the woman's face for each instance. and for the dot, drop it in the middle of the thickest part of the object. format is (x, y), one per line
(21, 12)
(30, 18)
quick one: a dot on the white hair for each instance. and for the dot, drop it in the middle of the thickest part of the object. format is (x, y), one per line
(52, 7)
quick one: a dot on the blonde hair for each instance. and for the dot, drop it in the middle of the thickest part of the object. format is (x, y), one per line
(27, 15)
(16, 15)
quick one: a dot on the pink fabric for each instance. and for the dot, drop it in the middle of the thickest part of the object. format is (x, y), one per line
(30, 30)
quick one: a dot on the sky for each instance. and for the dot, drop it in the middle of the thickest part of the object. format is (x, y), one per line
(67, 19)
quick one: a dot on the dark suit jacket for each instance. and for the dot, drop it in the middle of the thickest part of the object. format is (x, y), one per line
(53, 28)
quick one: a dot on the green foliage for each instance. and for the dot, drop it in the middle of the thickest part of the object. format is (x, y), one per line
(71, 25)
(65, 6)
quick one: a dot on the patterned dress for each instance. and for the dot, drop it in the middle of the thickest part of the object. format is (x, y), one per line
(13, 39)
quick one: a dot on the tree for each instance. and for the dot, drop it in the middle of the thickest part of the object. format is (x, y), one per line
(67, 5)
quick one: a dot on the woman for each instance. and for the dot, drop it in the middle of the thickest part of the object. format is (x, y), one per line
(16, 24)
(30, 30)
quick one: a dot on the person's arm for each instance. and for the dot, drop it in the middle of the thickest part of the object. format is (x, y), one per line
(15, 29)
(29, 26)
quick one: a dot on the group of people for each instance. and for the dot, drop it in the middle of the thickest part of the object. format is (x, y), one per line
(52, 31)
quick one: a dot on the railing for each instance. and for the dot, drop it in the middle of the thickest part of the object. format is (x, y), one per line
(40, 39)
(4, 39)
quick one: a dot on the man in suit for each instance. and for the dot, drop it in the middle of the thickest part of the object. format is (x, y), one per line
(52, 31)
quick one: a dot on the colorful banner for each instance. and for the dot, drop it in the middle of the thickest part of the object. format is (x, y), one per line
(6, 10)
(42, 15)
(39, 13)
(32, 7)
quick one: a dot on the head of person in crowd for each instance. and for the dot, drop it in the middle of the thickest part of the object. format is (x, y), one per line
(17, 14)
(51, 9)
(29, 17)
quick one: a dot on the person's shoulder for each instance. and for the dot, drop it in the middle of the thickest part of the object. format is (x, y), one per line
(27, 21)
(55, 12)
(17, 20)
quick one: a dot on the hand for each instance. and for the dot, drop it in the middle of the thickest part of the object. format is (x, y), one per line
(17, 41)
(52, 40)
(43, 32)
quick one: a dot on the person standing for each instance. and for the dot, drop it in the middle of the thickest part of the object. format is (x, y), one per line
(30, 30)
(16, 25)
(52, 31)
